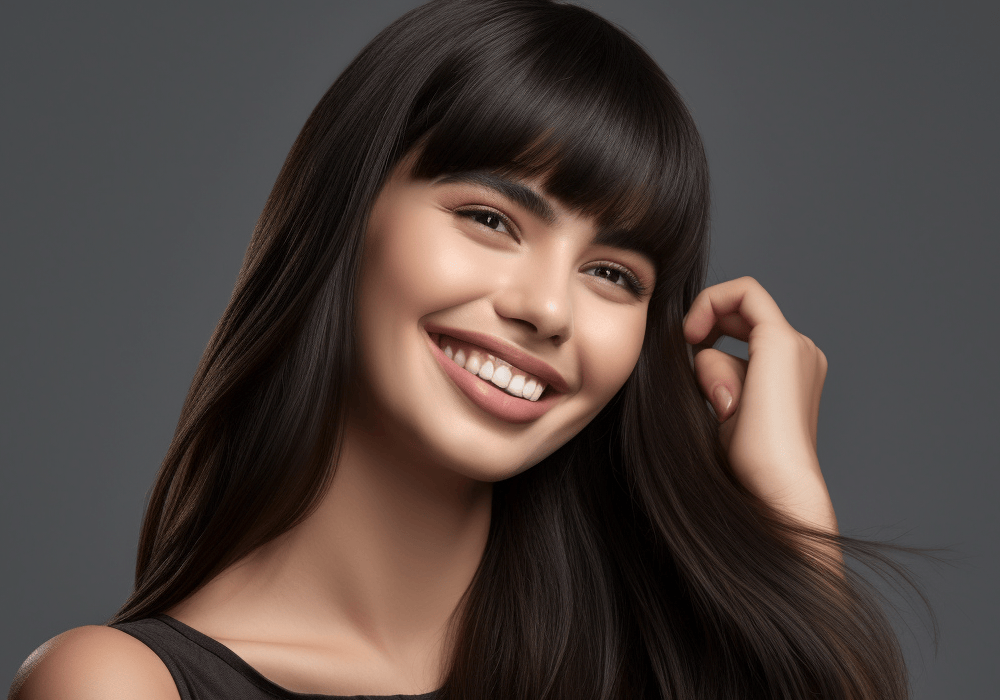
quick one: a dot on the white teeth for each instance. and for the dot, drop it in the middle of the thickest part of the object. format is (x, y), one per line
(486, 371)
(516, 385)
(474, 363)
(528, 389)
(501, 377)
(497, 371)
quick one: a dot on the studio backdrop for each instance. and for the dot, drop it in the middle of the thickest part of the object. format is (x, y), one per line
(853, 148)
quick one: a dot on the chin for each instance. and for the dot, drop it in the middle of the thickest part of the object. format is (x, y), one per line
(487, 463)
(496, 461)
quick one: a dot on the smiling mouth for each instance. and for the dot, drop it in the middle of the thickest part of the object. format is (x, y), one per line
(490, 368)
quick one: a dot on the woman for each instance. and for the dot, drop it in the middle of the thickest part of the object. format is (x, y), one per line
(450, 438)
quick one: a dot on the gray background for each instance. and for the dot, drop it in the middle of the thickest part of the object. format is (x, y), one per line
(853, 149)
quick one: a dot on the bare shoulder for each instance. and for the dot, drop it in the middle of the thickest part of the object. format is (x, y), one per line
(87, 663)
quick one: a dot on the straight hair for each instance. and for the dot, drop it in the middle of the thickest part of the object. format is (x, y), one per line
(630, 563)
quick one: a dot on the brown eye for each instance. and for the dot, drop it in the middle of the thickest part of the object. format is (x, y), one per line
(488, 218)
(613, 276)
(618, 276)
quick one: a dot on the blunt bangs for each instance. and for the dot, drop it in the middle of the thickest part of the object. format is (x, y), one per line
(561, 95)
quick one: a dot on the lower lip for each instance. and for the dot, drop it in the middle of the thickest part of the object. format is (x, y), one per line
(488, 397)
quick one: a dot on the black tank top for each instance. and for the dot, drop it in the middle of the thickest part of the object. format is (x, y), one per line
(205, 669)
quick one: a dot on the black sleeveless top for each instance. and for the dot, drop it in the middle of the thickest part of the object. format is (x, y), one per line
(205, 669)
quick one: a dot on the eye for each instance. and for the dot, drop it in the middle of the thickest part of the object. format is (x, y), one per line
(489, 218)
(618, 275)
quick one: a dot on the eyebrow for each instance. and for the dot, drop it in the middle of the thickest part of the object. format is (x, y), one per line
(517, 192)
(535, 203)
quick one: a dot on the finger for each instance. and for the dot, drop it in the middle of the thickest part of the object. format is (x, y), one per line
(733, 325)
(720, 377)
(730, 308)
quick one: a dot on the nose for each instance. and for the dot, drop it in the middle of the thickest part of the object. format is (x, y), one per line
(537, 296)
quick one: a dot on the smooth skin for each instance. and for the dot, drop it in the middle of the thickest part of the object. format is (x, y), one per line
(356, 598)
(768, 405)
(457, 253)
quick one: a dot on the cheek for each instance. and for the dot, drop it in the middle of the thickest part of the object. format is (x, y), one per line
(421, 265)
(610, 346)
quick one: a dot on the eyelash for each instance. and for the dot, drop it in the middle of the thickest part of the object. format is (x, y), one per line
(508, 224)
(632, 282)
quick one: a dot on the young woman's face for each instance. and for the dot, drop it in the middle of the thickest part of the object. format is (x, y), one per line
(470, 283)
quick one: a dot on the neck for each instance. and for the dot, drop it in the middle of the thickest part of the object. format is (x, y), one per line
(398, 540)
(383, 561)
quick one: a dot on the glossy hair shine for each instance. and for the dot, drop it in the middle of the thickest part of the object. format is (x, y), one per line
(628, 564)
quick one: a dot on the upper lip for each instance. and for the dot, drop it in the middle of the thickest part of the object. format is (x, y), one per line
(507, 352)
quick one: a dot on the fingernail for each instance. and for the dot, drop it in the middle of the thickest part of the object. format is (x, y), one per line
(723, 400)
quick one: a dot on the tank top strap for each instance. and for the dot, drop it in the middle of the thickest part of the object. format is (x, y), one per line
(205, 669)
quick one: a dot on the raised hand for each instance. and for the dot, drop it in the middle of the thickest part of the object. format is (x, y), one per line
(768, 406)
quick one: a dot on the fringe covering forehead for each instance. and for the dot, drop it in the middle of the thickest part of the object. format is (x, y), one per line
(584, 110)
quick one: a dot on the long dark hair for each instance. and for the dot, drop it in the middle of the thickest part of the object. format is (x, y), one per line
(628, 564)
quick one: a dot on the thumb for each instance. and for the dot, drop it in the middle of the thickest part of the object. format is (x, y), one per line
(720, 377)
